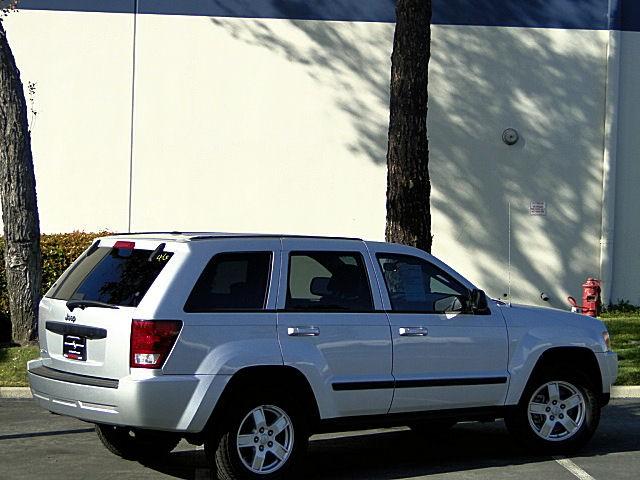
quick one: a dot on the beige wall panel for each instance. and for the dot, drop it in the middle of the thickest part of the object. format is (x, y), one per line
(626, 267)
(261, 125)
(81, 64)
(549, 85)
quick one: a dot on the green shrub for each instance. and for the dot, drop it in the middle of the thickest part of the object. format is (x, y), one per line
(621, 309)
(58, 252)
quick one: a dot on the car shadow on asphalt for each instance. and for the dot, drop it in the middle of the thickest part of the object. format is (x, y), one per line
(399, 453)
(51, 433)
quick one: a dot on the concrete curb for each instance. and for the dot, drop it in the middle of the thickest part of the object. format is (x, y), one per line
(625, 392)
(25, 392)
(15, 392)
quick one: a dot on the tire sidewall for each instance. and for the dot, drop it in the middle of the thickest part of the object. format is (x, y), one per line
(144, 445)
(226, 457)
(518, 421)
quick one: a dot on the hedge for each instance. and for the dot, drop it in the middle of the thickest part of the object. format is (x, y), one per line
(58, 252)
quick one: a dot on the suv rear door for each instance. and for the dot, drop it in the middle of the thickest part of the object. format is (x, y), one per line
(85, 317)
(331, 325)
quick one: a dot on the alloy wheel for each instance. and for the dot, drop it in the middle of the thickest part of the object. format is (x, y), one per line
(556, 411)
(265, 439)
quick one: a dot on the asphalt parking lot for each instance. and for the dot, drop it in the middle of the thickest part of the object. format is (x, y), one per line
(36, 444)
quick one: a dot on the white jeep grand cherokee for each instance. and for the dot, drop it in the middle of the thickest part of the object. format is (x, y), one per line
(250, 343)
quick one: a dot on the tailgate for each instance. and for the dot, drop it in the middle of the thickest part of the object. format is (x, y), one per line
(85, 318)
(101, 335)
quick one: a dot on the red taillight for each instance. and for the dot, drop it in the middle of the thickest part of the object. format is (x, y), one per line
(151, 342)
(121, 244)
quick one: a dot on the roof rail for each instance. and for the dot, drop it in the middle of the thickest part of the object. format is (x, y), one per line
(270, 235)
(120, 234)
(228, 235)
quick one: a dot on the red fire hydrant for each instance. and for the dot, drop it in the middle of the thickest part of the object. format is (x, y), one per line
(591, 299)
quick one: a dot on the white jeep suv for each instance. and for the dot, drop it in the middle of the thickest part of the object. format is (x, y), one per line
(248, 344)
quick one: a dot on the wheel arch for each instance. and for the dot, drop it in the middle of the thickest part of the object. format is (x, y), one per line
(279, 377)
(581, 360)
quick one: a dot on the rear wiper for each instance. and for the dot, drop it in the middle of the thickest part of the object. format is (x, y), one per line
(82, 304)
(157, 251)
(94, 246)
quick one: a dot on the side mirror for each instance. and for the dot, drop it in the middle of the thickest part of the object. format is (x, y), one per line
(478, 302)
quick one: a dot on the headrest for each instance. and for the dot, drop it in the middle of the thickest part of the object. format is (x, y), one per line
(320, 286)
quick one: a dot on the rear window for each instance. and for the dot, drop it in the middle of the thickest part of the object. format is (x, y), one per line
(112, 275)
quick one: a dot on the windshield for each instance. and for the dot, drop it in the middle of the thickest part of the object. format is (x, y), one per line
(115, 276)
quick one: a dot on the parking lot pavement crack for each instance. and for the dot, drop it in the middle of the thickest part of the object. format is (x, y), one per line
(573, 468)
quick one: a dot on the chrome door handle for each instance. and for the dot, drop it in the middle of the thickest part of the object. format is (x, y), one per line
(413, 331)
(303, 331)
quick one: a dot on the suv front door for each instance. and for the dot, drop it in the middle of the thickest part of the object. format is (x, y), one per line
(444, 356)
(331, 325)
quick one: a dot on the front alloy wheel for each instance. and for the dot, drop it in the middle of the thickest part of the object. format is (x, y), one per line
(557, 411)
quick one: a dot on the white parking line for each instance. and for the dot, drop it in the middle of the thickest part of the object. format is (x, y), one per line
(573, 468)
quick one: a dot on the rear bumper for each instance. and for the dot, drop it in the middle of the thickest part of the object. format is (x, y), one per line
(177, 403)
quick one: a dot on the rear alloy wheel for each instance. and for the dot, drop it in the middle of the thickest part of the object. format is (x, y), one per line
(135, 444)
(264, 439)
(558, 413)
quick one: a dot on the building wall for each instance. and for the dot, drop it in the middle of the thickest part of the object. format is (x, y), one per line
(248, 116)
(549, 85)
(267, 125)
(81, 66)
(626, 265)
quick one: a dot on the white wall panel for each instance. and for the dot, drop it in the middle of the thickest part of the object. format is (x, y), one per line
(81, 64)
(261, 125)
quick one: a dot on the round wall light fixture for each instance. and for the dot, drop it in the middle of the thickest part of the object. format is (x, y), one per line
(510, 136)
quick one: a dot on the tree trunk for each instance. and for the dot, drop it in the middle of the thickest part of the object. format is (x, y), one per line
(408, 186)
(19, 203)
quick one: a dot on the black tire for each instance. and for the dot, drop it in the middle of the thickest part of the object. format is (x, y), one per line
(559, 438)
(433, 427)
(224, 455)
(135, 444)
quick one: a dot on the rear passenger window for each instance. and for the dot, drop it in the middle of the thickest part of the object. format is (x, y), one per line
(328, 281)
(232, 281)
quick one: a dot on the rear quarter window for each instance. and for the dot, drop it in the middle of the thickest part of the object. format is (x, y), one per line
(232, 281)
(111, 275)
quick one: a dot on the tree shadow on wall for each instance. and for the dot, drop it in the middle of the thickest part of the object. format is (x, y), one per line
(482, 80)
(552, 92)
(342, 56)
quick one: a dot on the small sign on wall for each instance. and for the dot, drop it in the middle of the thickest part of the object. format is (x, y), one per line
(537, 208)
